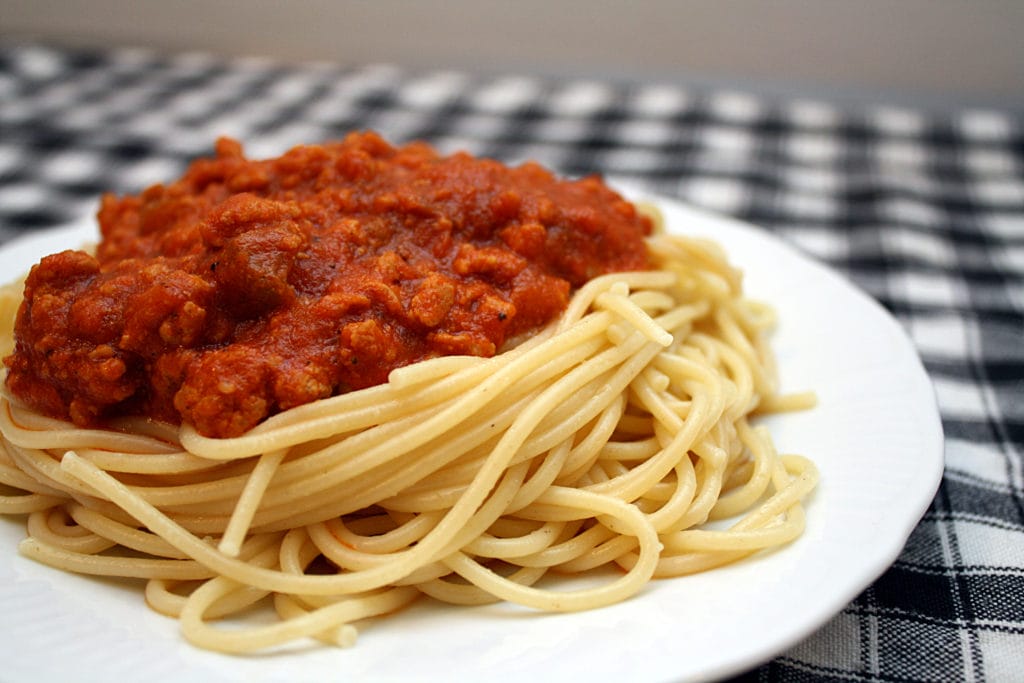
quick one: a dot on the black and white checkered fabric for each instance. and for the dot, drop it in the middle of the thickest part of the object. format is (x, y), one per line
(924, 212)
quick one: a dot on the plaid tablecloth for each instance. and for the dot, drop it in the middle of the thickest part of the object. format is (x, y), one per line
(924, 212)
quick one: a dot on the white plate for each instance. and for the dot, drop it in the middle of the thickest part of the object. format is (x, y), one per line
(876, 437)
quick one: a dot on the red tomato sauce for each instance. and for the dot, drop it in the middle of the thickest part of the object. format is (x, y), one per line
(249, 287)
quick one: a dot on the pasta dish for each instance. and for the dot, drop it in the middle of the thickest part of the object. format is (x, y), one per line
(360, 375)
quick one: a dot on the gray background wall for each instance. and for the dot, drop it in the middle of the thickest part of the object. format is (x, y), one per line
(934, 51)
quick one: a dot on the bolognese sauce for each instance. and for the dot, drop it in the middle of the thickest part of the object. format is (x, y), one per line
(248, 287)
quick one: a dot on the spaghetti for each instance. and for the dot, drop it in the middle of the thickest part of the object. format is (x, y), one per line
(609, 439)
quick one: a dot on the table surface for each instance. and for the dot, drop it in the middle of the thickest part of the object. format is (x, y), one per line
(923, 211)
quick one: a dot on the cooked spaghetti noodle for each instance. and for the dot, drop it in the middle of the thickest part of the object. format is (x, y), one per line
(609, 439)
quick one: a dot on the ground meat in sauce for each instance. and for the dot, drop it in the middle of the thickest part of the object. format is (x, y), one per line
(249, 287)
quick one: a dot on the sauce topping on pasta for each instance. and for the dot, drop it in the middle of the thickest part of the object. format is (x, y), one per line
(249, 287)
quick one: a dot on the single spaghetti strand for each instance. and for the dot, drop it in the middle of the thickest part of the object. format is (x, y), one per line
(249, 501)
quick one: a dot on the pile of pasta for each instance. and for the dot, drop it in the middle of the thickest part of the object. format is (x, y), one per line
(621, 436)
